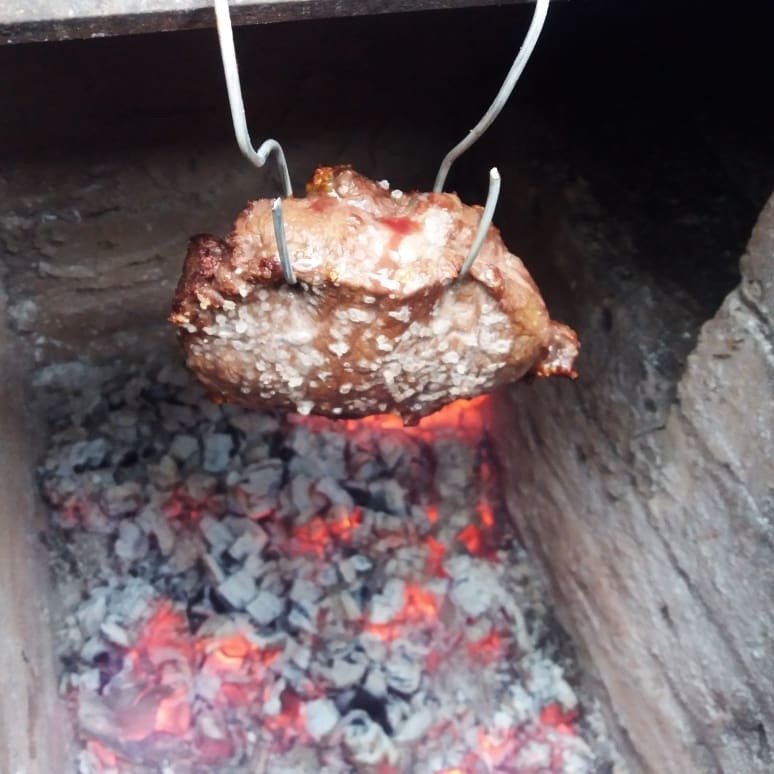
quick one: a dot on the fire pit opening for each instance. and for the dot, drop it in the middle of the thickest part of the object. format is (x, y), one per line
(561, 577)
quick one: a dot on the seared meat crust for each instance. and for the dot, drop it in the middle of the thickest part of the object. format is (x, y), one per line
(377, 322)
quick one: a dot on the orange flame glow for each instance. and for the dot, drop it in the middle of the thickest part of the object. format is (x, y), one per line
(173, 714)
(485, 512)
(470, 537)
(435, 554)
(561, 720)
(344, 526)
(420, 606)
(494, 746)
(487, 649)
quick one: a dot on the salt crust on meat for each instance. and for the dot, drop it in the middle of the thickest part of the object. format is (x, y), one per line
(377, 322)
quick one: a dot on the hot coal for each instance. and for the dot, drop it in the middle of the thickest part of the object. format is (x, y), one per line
(252, 593)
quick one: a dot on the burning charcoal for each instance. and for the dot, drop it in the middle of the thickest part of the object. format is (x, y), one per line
(349, 606)
(112, 631)
(389, 496)
(334, 492)
(174, 375)
(175, 416)
(255, 423)
(393, 448)
(121, 499)
(454, 476)
(238, 589)
(327, 577)
(250, 543)
(272, 704)
(415, 726)
(300, 619)
(520, 705)
(216, 533)
(256, 566)
(213, 568)
(187, 550)
(93, 649)
(302, 656)
(346, 669)
(91, 612)
(473, 584)
(375, 684)
(153, 523)
(354, 582)
(217, 452)
(124, 417)
(164, 475)
(208, 725)
(256, 493)
(265, 608)
(303, 497)
(374, 646)
(199, 486)
(361, 563)
(87, 454)
(306, 595)
(366, 740)
(90, 680)
(386, 606)
(183, 447)
(321, 717)
(132, 543)
(403, 672)
(347, 571)
(209, 410)
(545, 681)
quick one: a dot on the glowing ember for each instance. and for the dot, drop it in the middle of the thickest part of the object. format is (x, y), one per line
(485, 512)
(435, 553)
(173, 714)
(470, 537)
(554, 715)
(420, 608)
(346, 523)
(488, 648)
(495, 746)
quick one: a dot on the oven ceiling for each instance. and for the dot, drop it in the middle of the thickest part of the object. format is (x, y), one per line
(47, 20)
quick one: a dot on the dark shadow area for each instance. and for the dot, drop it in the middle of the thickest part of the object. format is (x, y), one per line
(661, 109)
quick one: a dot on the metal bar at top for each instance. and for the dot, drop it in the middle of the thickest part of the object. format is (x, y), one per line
(49, 20)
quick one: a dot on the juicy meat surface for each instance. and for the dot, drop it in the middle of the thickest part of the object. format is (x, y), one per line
(378, 321)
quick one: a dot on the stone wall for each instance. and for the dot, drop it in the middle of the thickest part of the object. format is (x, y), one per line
(32, 729)
(647, 491)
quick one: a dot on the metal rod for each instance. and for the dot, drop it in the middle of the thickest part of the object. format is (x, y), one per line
(530, 39)
(236, 103)
(486, 220)
(282, 244)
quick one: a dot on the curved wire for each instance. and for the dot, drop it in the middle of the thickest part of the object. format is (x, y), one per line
(236, 103)
(282, 245)
(527, 47)
(486, 220)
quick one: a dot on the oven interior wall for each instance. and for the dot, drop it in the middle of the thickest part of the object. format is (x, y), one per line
(635, 156)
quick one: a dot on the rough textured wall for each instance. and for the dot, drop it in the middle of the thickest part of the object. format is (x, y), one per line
(31, 728)
(647, 491)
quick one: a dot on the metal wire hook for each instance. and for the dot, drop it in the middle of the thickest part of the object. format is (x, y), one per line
(236, 103)
(282, 245)
(486, 220)
(530, 39)
(257, 157)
